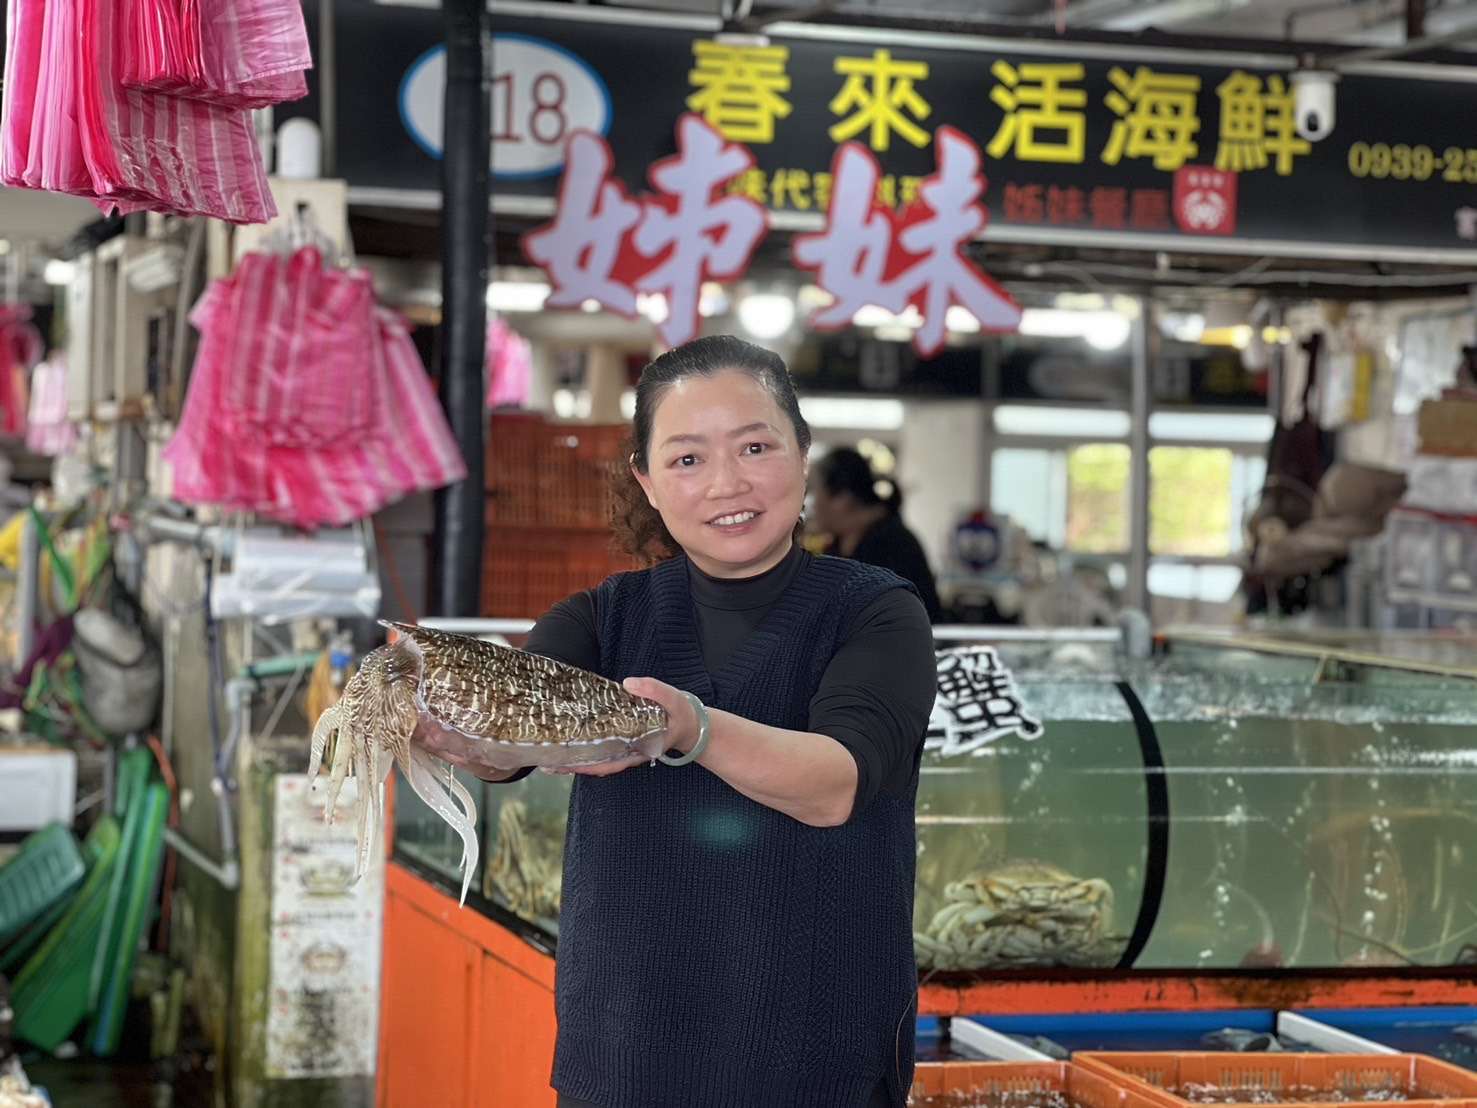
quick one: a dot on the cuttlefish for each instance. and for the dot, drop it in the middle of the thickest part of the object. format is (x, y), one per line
(501, 708)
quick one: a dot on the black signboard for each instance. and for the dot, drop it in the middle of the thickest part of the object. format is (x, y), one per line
(849, 362)
(1084, 143)
(1070, 370)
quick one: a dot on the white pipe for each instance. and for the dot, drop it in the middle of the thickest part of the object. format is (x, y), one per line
(993, 1044)
(1327, 1038)
(227, 873)
(471, 625)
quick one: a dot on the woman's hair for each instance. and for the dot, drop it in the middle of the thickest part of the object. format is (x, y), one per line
(845, 470)
(639, 529)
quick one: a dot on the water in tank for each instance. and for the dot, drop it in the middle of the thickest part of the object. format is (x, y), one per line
(1225, 810)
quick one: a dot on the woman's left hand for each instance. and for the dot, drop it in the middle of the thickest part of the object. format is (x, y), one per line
(682, 727)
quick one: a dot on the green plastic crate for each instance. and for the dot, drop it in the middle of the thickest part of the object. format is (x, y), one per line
(46, 870)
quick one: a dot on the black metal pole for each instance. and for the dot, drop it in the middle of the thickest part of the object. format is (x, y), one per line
(466, 238)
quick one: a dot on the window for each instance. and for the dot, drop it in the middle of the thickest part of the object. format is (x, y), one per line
(1097, 498)
(1190, 494)
(1076, 498)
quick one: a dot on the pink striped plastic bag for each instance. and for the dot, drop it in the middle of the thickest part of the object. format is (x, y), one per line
(216, 461)
(414, 448)
(208, 466)
(247, 54)
(157, 56)
(57, 162)
(190, 156)
(25, 28)
(299, 375)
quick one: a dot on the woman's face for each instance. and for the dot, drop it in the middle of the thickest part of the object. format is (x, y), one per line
(726, 473)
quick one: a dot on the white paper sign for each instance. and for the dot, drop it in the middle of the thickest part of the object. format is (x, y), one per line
(324, 984)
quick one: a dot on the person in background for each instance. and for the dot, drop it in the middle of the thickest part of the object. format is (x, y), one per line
(736, 925)
(861, 513)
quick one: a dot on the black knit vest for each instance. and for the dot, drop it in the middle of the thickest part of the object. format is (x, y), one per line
(713, 952)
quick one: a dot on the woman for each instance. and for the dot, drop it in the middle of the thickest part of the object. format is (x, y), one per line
(737, 931)
(861, 513)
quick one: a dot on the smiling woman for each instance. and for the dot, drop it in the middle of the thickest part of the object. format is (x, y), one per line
(726, 470)
(759, 877)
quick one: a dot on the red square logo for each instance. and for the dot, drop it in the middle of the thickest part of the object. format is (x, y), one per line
(1205, 200)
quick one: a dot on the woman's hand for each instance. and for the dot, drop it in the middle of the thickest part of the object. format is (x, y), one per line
(682, 727)
(458, 750)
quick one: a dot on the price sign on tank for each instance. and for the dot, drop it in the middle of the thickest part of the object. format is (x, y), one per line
(541, 94)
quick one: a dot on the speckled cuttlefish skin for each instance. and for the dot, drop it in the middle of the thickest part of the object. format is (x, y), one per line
(510, 696)
(507, 707)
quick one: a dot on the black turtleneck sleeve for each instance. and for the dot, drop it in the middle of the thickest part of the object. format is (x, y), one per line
(874, 698)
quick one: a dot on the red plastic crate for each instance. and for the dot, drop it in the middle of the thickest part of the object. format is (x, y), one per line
(1010, 1085)
(525, 570)
(1149, 1077)
(551, 474)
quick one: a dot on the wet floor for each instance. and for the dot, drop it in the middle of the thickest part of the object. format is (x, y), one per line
(128, 1079)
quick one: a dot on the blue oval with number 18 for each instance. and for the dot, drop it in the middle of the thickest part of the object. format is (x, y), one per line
(541, 93)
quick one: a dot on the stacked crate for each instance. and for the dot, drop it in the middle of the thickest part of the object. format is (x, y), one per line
(1431, 538)
(1174, 1080)
(548, 512)
(1149, 1079)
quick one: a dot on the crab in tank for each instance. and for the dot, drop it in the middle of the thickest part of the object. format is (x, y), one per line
(1021, 913)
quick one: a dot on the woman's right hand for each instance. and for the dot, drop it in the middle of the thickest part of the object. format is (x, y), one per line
(458, 750)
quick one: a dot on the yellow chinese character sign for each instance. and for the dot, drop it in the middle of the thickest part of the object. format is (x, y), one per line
(1258, 123)
(740, 88)
(1044, 120)
(881, 94)
(1157, 117)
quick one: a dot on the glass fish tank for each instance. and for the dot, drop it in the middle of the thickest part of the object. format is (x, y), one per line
(1226, 803)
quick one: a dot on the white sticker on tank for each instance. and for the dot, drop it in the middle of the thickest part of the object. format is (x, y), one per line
(977, 703)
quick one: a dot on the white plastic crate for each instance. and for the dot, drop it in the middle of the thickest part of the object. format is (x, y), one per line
(38, 786)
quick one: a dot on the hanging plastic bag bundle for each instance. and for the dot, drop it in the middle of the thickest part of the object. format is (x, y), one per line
(248, 54)
(69, 125)
(226, 450)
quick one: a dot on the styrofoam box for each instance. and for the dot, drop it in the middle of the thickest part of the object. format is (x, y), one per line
(38, 786)
(1441, 484)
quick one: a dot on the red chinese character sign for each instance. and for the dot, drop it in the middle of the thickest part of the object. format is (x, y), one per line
(605, 246)
(870, 255)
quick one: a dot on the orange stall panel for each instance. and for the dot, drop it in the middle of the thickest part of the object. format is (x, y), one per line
(467, 1007)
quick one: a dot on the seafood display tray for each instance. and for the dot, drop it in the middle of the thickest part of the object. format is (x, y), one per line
(1411, 1079)
(1011, 1085)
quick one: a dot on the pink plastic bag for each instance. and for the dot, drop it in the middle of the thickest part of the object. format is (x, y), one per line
(217, 459)
(509, 366)
(186, 155)
(57, 161)
(298, 375)
(247, 54)
(23, 49)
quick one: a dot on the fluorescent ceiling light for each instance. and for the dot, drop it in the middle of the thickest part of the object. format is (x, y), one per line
(1104, 330)
(766, 315)
(516, 296)
(1209, 428)
(852, 413)
(961, 320)
(58, 272)
(869, 315)
(653, 305)
(1098, 424)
